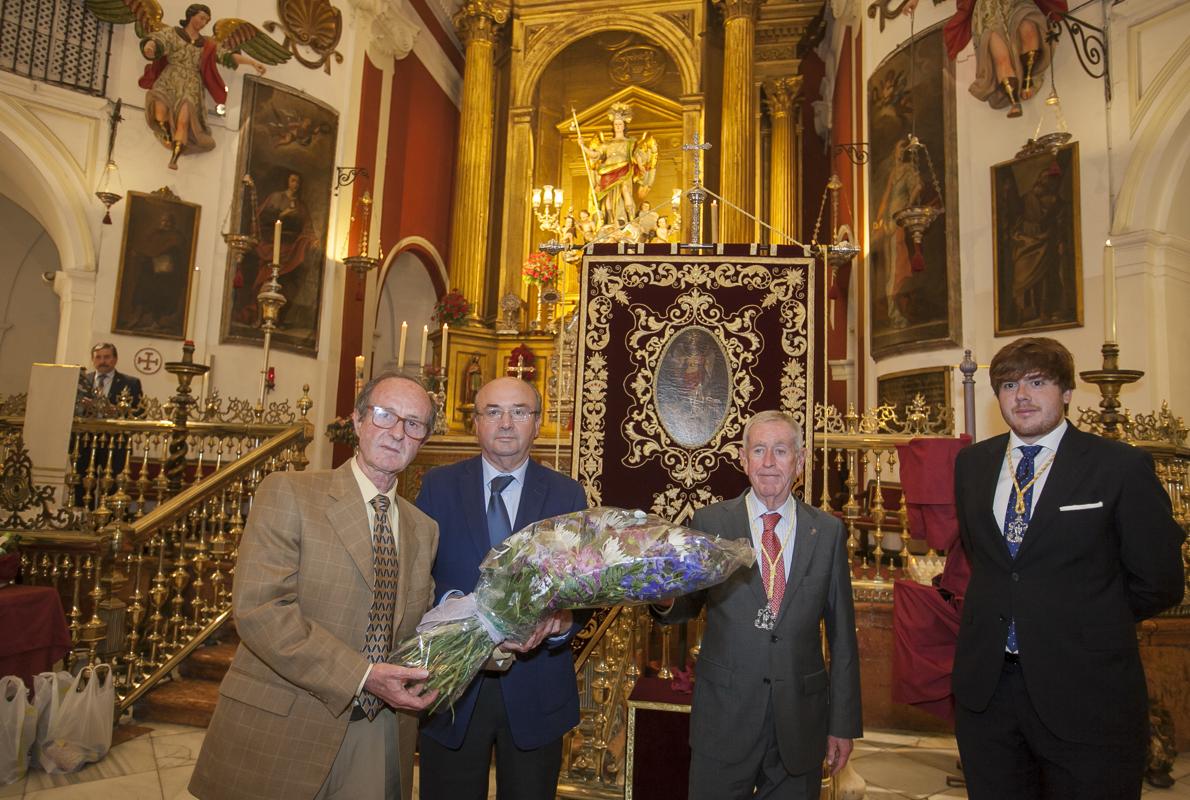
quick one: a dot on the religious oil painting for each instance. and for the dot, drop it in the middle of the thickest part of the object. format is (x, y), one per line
(287, 149)
(1035, 212)
(690, 387)
(153, 287)
(915, 299)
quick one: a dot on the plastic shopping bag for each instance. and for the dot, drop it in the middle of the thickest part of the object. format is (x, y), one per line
(80, 723)
(46, 687)
(18, 726)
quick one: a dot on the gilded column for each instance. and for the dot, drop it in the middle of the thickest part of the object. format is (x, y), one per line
(782, 94)
(737, 168)
(518, 185)
(478, 23)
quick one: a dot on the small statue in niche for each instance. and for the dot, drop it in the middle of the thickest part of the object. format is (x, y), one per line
(621, 164)
(472, 380)
(184, 62)
(1011, 52)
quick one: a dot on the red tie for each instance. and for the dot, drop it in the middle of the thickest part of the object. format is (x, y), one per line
(772, 568)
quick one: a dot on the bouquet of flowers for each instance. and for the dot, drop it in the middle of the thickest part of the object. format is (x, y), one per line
(540, 268)
(599, 557)
(452, 309)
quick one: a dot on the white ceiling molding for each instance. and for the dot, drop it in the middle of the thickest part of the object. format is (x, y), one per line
(390, 31)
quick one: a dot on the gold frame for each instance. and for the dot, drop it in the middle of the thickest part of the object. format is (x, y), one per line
(1074, 237)
(887, 342)
(141, 200)
(630, 736)
(946, 371)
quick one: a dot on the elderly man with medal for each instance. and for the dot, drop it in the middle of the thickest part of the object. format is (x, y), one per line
(769, 707)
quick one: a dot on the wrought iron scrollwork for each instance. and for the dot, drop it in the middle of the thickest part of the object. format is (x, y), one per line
(1090, 45)
(857, 152)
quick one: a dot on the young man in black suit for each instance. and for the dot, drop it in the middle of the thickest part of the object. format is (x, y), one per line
(1072, 542)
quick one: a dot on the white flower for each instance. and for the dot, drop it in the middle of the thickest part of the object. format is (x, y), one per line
(612, 554)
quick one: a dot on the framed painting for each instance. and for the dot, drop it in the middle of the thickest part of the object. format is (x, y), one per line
(156, 259)
(1037, 257)
(897, 389)
(287, 148)
(914, 286)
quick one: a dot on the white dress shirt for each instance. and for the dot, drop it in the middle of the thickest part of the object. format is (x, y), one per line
(368, 491)
(786, 530)
(511, 493)
(1049, 451)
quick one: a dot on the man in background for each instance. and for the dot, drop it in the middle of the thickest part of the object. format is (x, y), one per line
(107, 382)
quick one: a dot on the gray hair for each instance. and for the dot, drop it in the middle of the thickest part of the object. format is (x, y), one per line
(364, 400)
(774, 416)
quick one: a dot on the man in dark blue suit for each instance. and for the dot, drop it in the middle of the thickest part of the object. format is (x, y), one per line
(522, 712)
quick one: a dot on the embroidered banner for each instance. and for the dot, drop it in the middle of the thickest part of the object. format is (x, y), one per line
(675, 353)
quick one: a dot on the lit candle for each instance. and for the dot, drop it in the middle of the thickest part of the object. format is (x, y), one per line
(401, 347)
(359, 368)
(715, 221)
(1109, 292)
(277, 242)
(445, 331)
(425, 338)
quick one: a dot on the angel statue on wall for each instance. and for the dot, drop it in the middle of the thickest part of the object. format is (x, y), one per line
(183, 62)
(621, 164)
(1011, 51)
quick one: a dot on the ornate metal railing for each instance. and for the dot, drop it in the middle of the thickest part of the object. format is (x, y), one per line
(141, 538)
(55, 41)
(149, 585)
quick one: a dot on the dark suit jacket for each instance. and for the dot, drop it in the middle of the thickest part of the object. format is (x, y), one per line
(120, 382)
(1081, 580)
(539, 689)
(740, 664)
(302, 596)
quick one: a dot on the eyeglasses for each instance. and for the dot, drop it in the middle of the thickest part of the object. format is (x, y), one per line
(518, 414)
(386, 418)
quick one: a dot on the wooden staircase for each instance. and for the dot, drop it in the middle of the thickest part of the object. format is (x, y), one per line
(190, 697)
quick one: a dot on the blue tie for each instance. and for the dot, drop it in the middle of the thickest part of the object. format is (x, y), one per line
(1016, 524)
(499, 528)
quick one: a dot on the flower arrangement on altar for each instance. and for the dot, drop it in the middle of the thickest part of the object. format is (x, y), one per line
(452, 309)
(540, 268)
(586, 559)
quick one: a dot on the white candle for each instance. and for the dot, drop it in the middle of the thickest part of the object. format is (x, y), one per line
(1109, 293)
(425, 338)
(359, 368)
(715, 221)
(277, 242)
(401, 346)
(445, 332)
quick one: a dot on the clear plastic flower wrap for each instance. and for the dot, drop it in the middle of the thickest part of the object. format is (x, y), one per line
(600, 557)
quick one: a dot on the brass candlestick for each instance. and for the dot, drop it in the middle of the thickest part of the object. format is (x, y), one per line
(1110, 378)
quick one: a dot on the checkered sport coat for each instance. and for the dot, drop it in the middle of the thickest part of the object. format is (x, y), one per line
(302, 594)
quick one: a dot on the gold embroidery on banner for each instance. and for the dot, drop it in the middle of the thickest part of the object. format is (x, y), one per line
(776, 286)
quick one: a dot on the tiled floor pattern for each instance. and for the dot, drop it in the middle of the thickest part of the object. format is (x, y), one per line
(157, 766)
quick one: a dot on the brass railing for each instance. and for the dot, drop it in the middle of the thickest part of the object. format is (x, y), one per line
(141, 538)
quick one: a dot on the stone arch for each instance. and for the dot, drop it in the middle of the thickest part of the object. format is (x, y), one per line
(665, 32)
(46, 182)
(1159, 164)
(419, 269)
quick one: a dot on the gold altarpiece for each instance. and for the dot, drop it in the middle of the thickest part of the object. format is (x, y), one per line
(533, 68)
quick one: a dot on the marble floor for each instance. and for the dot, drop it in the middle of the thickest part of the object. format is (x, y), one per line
(156, 765)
